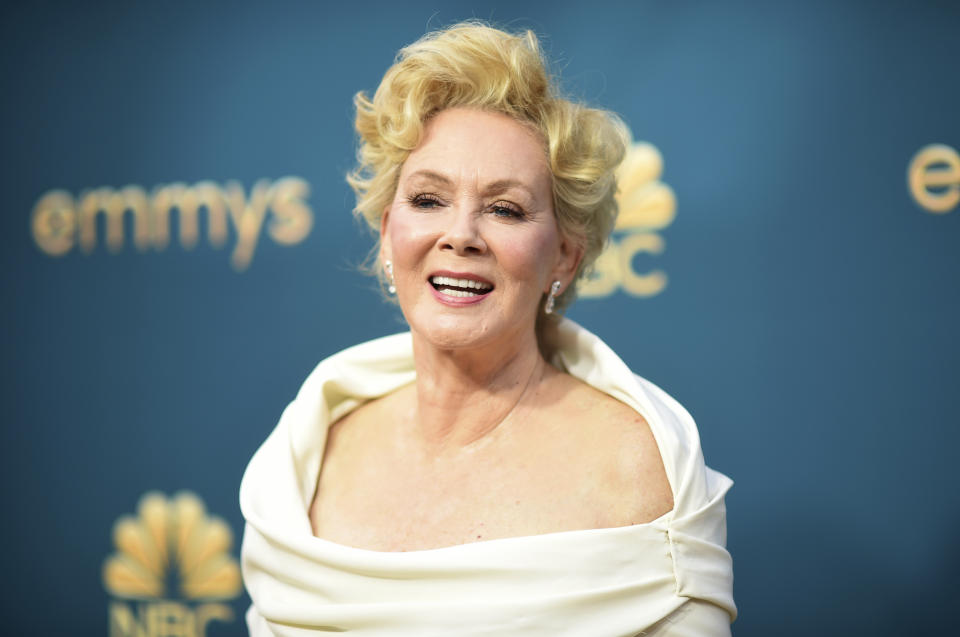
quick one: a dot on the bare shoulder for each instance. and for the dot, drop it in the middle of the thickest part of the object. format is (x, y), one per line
(354, 448)
(359, 428)
(621, 452)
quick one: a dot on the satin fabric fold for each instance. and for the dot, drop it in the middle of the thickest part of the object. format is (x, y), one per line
(671, 576)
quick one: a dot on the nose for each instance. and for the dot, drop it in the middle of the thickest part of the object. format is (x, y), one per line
(462, 234)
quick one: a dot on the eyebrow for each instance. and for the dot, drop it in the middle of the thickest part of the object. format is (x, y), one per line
(497, 186)
(429, 174)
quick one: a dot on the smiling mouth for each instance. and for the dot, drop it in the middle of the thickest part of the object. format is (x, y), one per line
(460, 287)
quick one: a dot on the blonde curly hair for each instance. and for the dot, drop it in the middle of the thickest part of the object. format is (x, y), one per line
(474, 65)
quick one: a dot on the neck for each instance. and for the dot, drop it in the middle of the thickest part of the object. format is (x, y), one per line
(464, 396)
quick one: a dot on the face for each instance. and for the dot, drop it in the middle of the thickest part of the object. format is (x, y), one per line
(471, 231)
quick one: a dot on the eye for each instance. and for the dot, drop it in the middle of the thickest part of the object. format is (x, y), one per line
(507, 210)
(424, 201)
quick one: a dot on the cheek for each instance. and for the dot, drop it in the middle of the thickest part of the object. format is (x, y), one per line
(408, 240)
(532, 259)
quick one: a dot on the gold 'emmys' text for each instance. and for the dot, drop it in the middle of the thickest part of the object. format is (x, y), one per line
(61, 222)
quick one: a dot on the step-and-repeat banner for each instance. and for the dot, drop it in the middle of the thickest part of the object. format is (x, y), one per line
(178, 253)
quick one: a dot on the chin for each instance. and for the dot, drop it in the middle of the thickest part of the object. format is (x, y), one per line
(466, 330)
(453, 333)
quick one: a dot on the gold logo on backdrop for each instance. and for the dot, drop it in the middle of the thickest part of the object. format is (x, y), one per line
(646, 206)
(61, 221)
(173, 562)
(934, 178)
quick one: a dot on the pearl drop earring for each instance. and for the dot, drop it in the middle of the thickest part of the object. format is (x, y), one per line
(388, 266)
(552, 299)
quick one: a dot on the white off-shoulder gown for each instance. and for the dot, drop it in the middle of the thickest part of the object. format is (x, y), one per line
(671, 577)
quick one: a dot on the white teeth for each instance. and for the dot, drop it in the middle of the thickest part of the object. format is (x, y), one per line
(459, 283)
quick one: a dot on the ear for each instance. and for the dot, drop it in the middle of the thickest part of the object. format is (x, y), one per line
(568, 260)
(386, 250)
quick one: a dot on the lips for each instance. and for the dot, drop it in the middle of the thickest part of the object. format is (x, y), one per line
(460, 286)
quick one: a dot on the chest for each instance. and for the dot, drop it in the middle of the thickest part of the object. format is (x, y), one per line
(381, 501)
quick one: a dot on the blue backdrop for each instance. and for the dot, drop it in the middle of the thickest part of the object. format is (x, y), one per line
(809, 320)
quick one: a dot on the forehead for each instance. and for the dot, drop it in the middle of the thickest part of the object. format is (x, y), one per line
(469, 143)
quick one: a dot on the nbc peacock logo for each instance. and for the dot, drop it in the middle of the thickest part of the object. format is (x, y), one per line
(172, 570)
(647, 205)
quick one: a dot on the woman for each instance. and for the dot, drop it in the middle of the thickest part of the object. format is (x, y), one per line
(452, 481)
